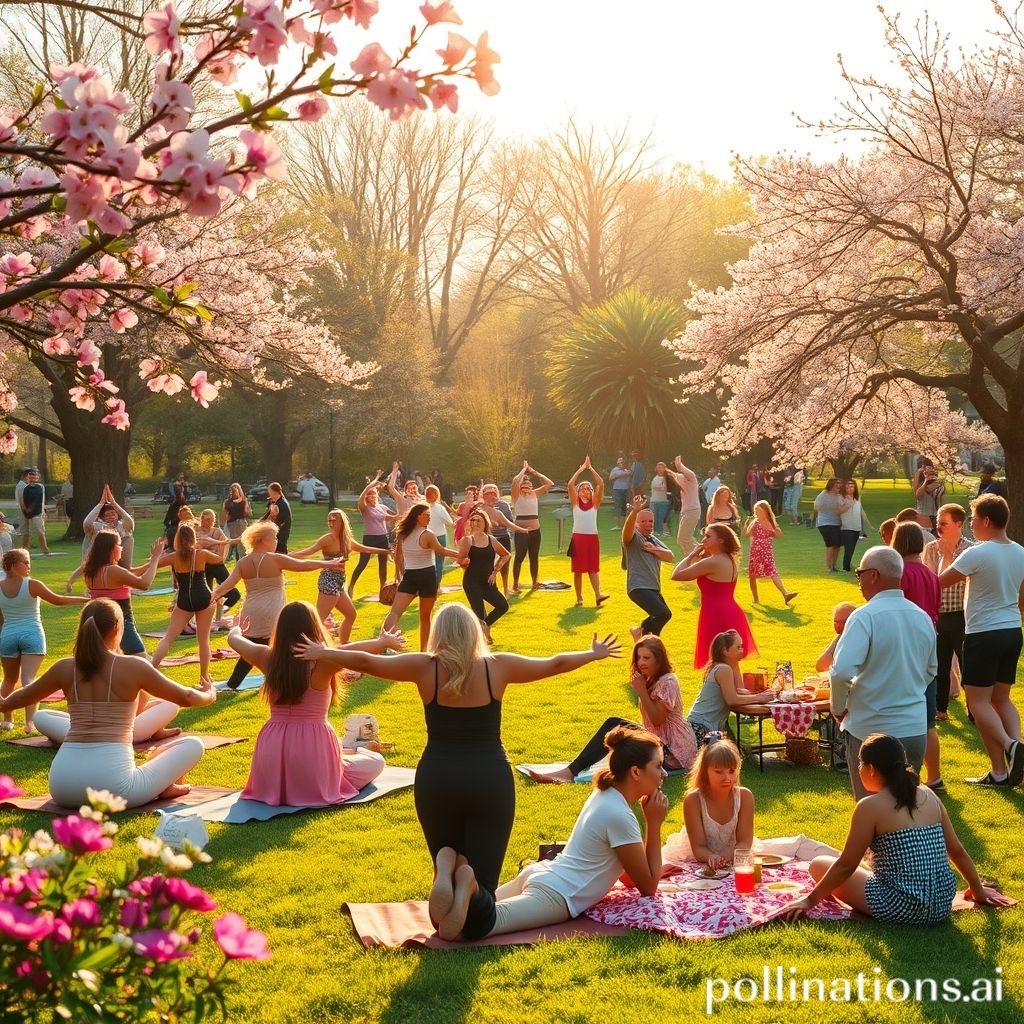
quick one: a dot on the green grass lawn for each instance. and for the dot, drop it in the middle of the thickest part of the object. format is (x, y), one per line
(290, 876)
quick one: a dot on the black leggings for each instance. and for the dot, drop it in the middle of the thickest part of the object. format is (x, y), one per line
(219, 571)
(527, 543)
(480, 590)
(595, 750)
(371, 540)
(466, 799)
(949, 636)
(658, 611)
(242, 667)
(850, 538)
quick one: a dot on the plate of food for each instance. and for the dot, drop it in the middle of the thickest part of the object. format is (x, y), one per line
(773, 860)
(706, 872)
(784, 886)
(701, 884)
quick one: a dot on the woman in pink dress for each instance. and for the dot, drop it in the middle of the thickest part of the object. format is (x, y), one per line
(585, 547)
(762, 528)
(463, 511)
(714, 565)
(298, 760)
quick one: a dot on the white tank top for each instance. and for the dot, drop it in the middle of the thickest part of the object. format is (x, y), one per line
(526, 507)
(584, 520)
(413, 555)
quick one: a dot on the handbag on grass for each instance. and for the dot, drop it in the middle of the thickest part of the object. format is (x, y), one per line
(388, 591)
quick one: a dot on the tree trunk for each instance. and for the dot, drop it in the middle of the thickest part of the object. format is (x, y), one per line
(844, 466)
(270, 419)
(1013, 450)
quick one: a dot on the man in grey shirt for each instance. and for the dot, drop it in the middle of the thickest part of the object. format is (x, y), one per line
(642, 555)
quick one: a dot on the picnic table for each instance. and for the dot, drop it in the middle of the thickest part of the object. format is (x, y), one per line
(791, 719)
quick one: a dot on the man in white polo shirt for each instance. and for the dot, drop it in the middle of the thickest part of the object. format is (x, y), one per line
(994, 571)
(883, 663)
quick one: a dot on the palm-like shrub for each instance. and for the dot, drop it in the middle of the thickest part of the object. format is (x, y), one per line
(615, 379)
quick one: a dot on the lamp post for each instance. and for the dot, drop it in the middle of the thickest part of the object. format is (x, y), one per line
(330, 428)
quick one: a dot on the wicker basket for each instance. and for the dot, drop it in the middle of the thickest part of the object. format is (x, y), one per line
(802, 750)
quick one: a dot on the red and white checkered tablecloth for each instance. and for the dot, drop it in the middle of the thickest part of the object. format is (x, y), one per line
(792, 719)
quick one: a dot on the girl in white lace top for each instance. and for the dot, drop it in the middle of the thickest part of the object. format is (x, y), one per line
(718, 813)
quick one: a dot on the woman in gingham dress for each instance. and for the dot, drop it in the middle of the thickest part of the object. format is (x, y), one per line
(912, 840)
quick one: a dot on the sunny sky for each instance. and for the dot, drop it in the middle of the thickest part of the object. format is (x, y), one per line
(709, 77)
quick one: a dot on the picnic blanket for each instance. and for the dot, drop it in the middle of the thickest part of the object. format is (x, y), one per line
(43, 804)
(407, 926)
(209, 742)
(231, 809)
(225, 654)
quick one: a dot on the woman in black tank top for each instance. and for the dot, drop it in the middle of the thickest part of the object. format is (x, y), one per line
(465, 796)
(477, 551)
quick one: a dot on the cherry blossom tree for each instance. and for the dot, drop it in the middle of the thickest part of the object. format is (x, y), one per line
(93, 192)
(878, 286)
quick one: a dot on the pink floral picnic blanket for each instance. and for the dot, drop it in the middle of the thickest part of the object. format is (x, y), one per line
(712, 913)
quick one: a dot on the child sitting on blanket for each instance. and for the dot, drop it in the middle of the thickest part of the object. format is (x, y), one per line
(718, 813)
(606, 843)
(913, 841)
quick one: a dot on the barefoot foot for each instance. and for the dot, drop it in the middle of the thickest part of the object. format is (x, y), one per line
(175, 789)
(636, 632)
(442, 892)
(451, 925)
(601, 598)
(562, 775)
(165, 734)
(789, 597)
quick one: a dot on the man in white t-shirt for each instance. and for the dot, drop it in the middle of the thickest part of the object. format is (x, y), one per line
(994, 571)
(307, 490)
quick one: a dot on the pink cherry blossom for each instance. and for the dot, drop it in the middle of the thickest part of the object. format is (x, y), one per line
(118, 416)
(312, 109)
(88, 353)
(263, 153)
(434, 14)
(111, 268)
(82, 913)
(123, 319)
(456, 50)
(371, 60)
(37, 177)
(266, 21)
(99, 381)
(56, 345)
(222, 66)
(162, 30)
(481, 67)
(444, 94)
(396, 92)
(149, 366)
(8, 446)
(203, 391)
(149, 253)
(7, 127)
(159, 945)
(17, 266)
(81, 835)
(202, 176)
(20, 312)
(185, 894)
(8, 788)
(172, 101)
(238, 941)
(83, 398)
(361, 11)
(168, 383)
(8, 403)
(20, 924)
(329, 10)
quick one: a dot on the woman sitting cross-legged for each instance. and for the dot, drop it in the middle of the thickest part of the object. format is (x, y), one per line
(605, 844)
(658, 694)
(297, 759)
(913, 841)
(103, 689)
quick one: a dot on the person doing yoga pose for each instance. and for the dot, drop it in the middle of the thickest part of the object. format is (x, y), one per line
(464, 793)
(524, 501)
(477, 553)
(103, 691)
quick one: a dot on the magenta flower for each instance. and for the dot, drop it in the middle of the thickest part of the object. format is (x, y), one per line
(160, 946)
(238, 940)
(8, 788)
(82, 913)
(81, 835)
(21, 924)
(185, 894)
(134, 914)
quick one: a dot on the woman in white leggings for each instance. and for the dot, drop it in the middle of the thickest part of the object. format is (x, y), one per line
(605, 842)
(102, 689)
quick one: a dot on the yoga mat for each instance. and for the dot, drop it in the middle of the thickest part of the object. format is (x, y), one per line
(193, 659)
(231, 809)
(198, 795)
(209, 742)
(587, 775)
(253, 681)
(156, 592)
(407, 926)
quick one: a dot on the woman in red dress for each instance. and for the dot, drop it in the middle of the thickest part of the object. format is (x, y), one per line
(714, 564)
(584, 546)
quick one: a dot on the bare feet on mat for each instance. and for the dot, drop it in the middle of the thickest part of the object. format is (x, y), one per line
(442, 892)
(451, 925)
(562, 775)
(166, 734)
(175, 789)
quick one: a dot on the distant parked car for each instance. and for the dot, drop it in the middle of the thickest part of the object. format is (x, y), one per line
(258, 491)
(323, 492)
(165, 492)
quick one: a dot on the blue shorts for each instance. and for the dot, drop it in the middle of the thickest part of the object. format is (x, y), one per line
(19, 638)
(620, 498)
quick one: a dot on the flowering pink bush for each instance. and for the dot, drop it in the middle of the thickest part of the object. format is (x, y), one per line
(86, 180)
(86, 950)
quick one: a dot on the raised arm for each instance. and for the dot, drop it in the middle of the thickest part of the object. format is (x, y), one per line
(37, 588)
(370, 486)
(546, 484)
(403, 668)
(517, 480)
(629, 526)
(516, 668)
(140, 579)
(641, 862)
(571, 484)
(392, 490)
(89, 522)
